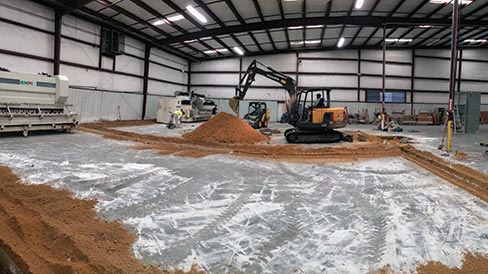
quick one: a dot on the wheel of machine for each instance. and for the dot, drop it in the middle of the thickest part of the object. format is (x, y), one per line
(292, 137)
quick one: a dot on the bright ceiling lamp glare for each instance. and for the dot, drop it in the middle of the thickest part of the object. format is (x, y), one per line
(315, 26)
(238, 50)
(195, 13)
(359, 4)
(169, 19)
(401, 40)
(341, 42)
(445, 2)
(475, 41)
(296, 27)
(215, 51)
(425, 26)
(309, 42)
(296, 43)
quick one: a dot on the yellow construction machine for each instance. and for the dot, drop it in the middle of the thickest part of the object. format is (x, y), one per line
(312, 122)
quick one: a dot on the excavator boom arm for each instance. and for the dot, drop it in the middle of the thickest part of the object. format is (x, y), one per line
(250, 76)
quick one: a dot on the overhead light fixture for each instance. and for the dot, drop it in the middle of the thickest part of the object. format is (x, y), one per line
(359, 4)
(312, 42)
(210, 52)
(475, 41)
(445, 2)
(169, 19)
(296, 27)
(238, 50)
(397, 40)
(315, 26)
(341, 42)
(426, 26)
(195, 13)
(190, 41)
(296, 43)
(222, 50)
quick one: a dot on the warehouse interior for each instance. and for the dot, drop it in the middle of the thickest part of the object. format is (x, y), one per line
(243, 136)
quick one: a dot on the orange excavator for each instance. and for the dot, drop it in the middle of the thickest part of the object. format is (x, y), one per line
(312, 123)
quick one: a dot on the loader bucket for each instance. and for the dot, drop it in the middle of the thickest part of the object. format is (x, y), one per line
(234, 104)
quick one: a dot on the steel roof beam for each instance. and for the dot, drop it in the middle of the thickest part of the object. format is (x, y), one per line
(374, 21)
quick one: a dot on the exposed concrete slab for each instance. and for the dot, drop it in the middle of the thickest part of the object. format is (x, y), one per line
(234, 214)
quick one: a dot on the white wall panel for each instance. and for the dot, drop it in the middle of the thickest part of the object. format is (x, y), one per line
(28, 12)
(134, 47)
(80, 29)
(473, 86)
(430, 52)
(129, 64)
(162, 57)
(331, 54)
(428, 67)
(94, 105)
(107, 62)
(280, 62)
(160, 88)
(391, 69)
(328, 66)
(475, 70)
(212, 78)
(79, 53)
(391, 55)
(101, 80)
(432, 85)
(19, 64)
(218, 65)
(160, 72)
(477, 54)
(431, 98)
(344, 95)
(15, 38)
(328, 81)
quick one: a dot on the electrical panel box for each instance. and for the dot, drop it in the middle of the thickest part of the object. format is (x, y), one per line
(469, 106)
(113, 42)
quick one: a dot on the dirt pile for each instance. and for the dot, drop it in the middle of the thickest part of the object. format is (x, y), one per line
(225, 128)
(471, 264)
(47, 231)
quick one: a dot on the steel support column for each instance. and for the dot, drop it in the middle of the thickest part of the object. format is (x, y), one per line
(57, 42)
(147, 54)
(452, 79)
(412, 83)
(383, 108)
(189, 77)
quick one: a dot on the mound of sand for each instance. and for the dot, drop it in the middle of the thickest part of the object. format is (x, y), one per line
(225, 128)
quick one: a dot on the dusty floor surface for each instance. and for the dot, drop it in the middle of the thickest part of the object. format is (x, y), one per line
(219, 212)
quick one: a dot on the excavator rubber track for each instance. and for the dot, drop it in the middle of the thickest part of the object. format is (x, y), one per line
(297, 136)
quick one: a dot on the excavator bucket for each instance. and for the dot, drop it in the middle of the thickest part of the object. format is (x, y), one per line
(234, 104)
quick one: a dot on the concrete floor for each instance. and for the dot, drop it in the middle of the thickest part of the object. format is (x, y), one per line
(237, 215)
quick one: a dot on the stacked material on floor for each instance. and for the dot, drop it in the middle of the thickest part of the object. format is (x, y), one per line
(425, 118)
(484, 117)
(225, 128)
(34, 102)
